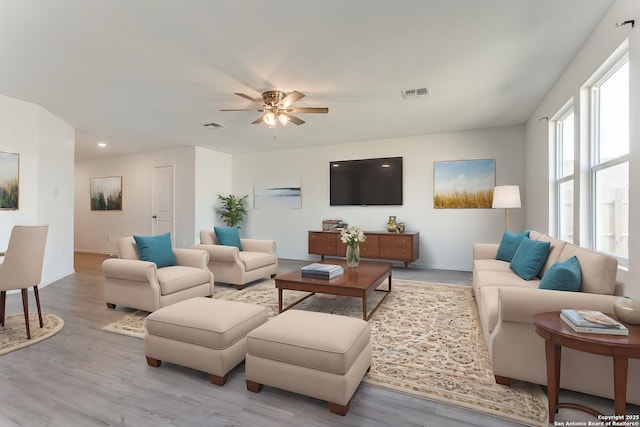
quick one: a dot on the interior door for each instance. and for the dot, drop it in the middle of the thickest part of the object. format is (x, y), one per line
(163, 187)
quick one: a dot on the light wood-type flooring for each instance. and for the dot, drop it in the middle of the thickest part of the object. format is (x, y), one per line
(86, 377)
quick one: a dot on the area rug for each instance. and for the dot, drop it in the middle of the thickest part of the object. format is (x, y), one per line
(427, 342)
(13, 335)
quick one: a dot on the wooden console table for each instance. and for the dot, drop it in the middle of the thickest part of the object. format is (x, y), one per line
(621, 347)
(402, 247)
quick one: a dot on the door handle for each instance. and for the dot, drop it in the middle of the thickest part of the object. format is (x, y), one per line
(154, 217)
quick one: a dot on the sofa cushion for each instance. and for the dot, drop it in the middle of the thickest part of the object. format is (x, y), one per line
(253, 260)
(491, 265)
(563, 276)
(156, 249)
(179, 277)
(554, 251)
(598, 270)
(529, 258)
(482, 278)
(509, 244)
(228, 236)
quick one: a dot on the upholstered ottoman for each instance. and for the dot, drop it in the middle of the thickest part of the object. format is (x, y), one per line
(320, 355)
(202, 333)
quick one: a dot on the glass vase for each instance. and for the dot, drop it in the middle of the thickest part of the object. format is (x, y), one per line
(353, 255)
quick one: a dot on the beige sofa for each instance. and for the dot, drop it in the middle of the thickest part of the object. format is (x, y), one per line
(134, 283)
(507, 304)
(256, 260)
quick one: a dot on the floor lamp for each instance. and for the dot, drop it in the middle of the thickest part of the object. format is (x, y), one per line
(506, 197)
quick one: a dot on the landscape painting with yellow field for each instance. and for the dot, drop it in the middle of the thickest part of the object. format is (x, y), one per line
(464, 184)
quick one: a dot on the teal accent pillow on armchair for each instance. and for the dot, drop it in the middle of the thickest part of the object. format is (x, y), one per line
(529, 258)
(228, 236)
(509, 244)
(563, 276)
(156, 249)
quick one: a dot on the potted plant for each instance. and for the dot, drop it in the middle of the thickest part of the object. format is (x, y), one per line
(232, 210)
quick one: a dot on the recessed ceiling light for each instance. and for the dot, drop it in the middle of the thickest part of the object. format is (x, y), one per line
(102, 144)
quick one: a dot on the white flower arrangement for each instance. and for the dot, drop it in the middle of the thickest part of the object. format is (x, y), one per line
(352, 236)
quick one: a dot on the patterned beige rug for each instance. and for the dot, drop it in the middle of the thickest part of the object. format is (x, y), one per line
(13, 335)
(426, 339)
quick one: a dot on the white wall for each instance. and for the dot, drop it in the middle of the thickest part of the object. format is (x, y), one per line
(199, 174)
(446, 235)
(600, 45)
(45, 144)
(213, 177)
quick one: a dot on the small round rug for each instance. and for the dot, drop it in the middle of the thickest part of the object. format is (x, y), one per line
(13, 335)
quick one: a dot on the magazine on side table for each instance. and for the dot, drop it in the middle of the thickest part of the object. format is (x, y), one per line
(592, 322)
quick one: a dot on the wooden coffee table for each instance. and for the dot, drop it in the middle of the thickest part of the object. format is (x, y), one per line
(356, 282)
(557, 335)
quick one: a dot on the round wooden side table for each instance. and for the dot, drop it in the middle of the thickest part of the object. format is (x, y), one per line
(558, 334)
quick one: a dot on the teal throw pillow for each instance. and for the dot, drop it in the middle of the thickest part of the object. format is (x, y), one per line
(156, 249)
(529, 258)
(509, 245)
(228, 236)
(563, 276)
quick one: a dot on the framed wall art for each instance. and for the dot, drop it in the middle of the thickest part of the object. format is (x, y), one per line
(278, 193)
(106, 193)
(9, 180)
(464, 184)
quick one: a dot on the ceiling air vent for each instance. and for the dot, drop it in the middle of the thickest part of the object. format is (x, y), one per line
(213, 125)
(415, 93)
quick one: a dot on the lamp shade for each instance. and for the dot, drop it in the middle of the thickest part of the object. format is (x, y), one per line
(506, 197)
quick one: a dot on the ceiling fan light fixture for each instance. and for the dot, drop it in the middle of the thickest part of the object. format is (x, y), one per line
(283, 119)
(270, 119)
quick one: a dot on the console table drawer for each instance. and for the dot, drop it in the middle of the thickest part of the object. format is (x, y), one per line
(322, 243)
(371, 247)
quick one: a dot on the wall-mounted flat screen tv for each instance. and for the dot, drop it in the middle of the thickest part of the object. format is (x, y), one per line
(366, 182)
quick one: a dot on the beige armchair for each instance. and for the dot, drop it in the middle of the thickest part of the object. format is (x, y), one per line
(256, 260)
(21, 267)
(134, 283)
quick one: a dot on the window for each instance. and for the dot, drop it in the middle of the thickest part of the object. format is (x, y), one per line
(565, 160)
(610, 161)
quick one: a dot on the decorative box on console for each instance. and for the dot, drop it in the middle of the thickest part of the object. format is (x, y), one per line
(330, 224)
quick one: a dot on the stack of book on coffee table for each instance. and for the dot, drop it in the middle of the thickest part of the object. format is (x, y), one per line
(592, 322)
(322, 271)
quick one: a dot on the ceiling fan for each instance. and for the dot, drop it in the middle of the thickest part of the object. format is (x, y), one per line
(276, 106)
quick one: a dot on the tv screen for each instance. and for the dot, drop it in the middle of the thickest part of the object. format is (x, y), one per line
(366, 182)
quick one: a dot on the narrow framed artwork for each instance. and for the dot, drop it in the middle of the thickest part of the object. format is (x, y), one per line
(464, 184)
(278, 193)
(9, 181)
(106, 193)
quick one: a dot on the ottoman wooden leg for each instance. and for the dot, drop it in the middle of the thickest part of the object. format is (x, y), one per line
(339, 409)
(218, 380)
(253, 386)
(153, 362)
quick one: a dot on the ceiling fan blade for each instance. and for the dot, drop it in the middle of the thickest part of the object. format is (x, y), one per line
(295, 120)
(258, 120)
(290, 99)
(242, 109)
(309, 110)
(257, 101)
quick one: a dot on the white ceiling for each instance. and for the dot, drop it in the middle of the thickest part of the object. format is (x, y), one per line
(148, 74)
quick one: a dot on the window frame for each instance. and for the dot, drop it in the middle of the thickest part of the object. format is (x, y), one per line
(595, 164)
(561, 117)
